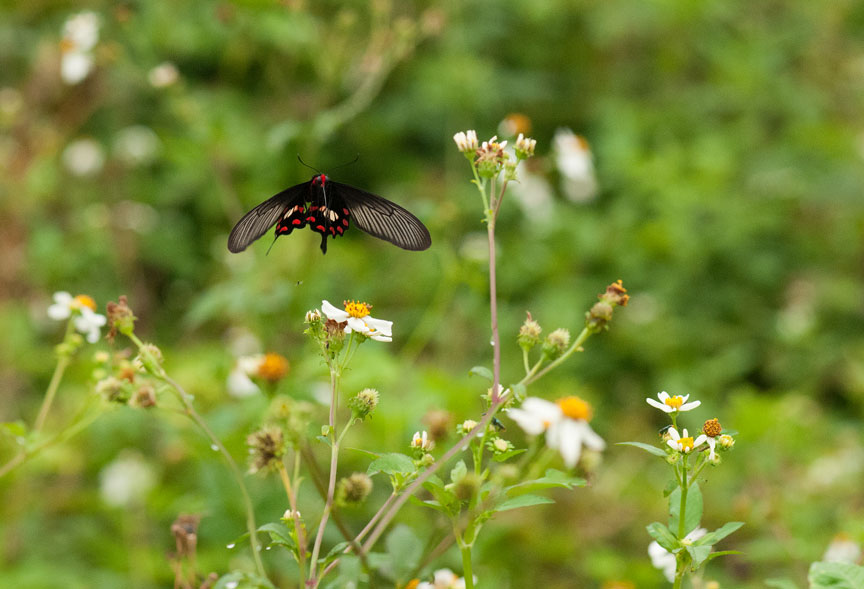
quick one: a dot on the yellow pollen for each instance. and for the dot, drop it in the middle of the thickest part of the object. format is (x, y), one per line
(686, 444)
(575, 408)
(356, 309)
(85, 301)
(675, 402)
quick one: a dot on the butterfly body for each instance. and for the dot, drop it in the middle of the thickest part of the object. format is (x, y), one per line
(330, 208)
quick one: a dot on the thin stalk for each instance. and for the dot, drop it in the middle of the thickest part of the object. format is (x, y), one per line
(576, 346)
(51, 392)
(298, 527)
(331, 485)
(466, 566)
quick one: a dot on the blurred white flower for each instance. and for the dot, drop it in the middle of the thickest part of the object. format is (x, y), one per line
(664, 560)
(83, 157)
(80, 35)
(673, 404)
(575, 164)
(126, 481)
(81, 308)
(239, 383)
(565, 423)
(136, 145)
(358, 318)
(444, 579)
(683, 442)
(535, 198)
(163, 75)
(422, 441)
(843, 549)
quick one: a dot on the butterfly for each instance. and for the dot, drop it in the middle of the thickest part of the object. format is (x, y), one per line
(330, 208)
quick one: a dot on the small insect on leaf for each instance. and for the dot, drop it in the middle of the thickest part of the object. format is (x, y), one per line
(330, 208)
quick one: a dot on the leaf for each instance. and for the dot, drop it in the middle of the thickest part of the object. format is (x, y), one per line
(482, 371)
(349, 570)
(693, 515)
(334, 553)
(664, 536)
(459, 471)
(279, 534)
(522, 501)
(836, 575)
(553, 478)
(712, 538)
(699, 554)
(392, 463)
(519, 391)
(647, 447)
(405, 550)
(504, 456)
(722, 553)
(14, 429)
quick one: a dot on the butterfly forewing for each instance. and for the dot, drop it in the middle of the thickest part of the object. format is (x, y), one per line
(381, 218)
(259, 220)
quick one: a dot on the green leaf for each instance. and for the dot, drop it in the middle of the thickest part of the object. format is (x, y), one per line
(519, 391)
(14, 429)
(482, 371)
(392, 463)
(504, 456)
(405, 550)
(647, 447)
(722, 553)
(712, 538)
(836, 575)
(699, 554)
(349, 570)
(279, 534)
(459, 471)
(553, 478)
(693, 515)
(241, 580)
(664, 536)
(334, 553)
(522, 501)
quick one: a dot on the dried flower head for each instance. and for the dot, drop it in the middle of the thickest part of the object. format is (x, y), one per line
(144, 397)
(712, 428)
(438, 422)
(185, 531)
(363, 403)
(354, 489)
(120, 318)
(266, 447)
(616, 294)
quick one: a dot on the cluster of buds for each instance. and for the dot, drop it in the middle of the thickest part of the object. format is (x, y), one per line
(149, 359)
(119, 381)
(709, 440)
(266, 448)
(498, 445)
(353, 490)
(490, 158)
(598, 318)
(363, 403)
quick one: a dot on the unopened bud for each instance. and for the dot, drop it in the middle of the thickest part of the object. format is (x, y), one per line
(529, 333)
(726, 441)
(556, 343)
(598, 318)
(354, 489)
(363, 403)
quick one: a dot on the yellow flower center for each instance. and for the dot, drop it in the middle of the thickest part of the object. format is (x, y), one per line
(686, 444)
(575, 408)
(356, 309)
(675, 402)
(84, 301)
(273, 367)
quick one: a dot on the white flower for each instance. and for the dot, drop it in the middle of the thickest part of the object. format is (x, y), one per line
(574, 161)
(466, 141)
(843, 549)
(422, 441)
(672, 404)
(239, 384)
(444, 579)
(136, 145)
(80, 35)
(664, 560)
(126, 480)
(356, 315)
(83, 157)
(683, 442)
(163, 75)
(81, 309)
(565, 423)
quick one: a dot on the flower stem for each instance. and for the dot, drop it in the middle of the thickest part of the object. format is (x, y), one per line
(298, 527)
(576, 346)
(466, 566)
(51, 392)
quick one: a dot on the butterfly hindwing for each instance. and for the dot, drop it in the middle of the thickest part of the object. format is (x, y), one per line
(381, 218)
(259, 220)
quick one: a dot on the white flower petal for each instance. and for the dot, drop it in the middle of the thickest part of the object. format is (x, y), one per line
(240, 385)
(333, 313)
(662, 559)
(689, 406)
(535, 415)
(566, 437)
(75, 66)
(358, 325)
(380, 325)
(661, 406)
(590, 438)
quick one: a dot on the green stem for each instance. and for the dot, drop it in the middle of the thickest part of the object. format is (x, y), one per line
(576, 346)
(466, 565)
(683, 508)
(51, 392)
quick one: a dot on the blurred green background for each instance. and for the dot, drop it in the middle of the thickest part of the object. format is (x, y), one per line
(727, 140)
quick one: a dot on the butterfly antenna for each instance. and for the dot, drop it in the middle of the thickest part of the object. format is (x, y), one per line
(354, 161)
(271, 245)
(307, 165)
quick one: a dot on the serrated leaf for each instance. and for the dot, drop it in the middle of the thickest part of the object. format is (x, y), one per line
(553, 478)
(522, 501)
(482, 371)
(392, 463)
(712, 538)
(835, 575)
(405, 550)
(664, 536)
(647, 447)
(693, 515)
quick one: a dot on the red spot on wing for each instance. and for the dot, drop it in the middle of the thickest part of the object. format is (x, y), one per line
(296, 221)
(346, 212)
(320, 228)
(345, 222)
(340, 230)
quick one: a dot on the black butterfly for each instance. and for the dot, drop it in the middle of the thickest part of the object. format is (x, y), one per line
(328, 208)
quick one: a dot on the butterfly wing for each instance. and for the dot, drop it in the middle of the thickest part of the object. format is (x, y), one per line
(381, 218)
(259, 220)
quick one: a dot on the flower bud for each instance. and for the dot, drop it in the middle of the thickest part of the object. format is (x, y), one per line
(466, 487)
(499, 445)
(354, 489)
(144, 397)
(556, 343)
(466, 426)
(114, 390)
(363, 403)
(529, 333)
(149, 359)
(616, 294)
(313, 316)
(726, 441)
(598, 318)
(525, 147)
(120, 318)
